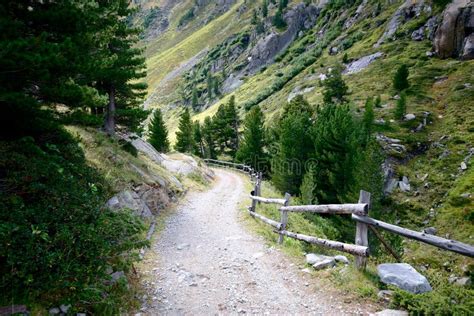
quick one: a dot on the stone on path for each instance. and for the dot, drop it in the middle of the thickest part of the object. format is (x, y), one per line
(403, 276)
(391, 312)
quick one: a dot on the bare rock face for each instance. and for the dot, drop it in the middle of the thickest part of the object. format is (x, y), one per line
(299, 18)
(454, 37)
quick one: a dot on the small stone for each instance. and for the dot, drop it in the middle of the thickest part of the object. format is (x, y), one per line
(306, 270)
(342, 259)
(391, 312)
(410, 117)
(183, 246)
(463, 166)
(326, 263)
(64, 308)
(430, 231)
(466, 281)
(385, 295)
(54, 311)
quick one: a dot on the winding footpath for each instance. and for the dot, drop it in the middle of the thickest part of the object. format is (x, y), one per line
(206, 262)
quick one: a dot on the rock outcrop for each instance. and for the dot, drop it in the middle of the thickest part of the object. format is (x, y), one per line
(455, 35)
(408, 10)
(298, 18)
(362, 63)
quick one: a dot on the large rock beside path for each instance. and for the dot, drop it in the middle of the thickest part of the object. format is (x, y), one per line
(403, 276)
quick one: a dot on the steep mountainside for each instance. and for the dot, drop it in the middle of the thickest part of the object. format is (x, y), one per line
(200, 53)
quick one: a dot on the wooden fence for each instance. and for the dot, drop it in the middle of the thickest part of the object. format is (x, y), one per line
(359, 213)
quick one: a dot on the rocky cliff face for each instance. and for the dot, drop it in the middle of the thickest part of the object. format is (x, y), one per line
(455, 35)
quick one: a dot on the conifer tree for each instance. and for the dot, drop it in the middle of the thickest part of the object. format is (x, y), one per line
(293, 145)
(194, 98)
(308, 187)
(283, 4)
(335, 89)
(184, 136)
(378, 102)
(158, 133)
(232, 118)
(400, 79)
(198, 149)
(401, 107)
(278, 20)
(208, 138)
(336, 141)
(251, 150)
(254, 17)
(216, 86)
(265, 8)
(209, 84)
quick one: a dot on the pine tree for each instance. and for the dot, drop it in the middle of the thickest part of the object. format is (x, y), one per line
(158, 133)
(251, 150)
(260, 28)
(209, 84)
(292, 138)
(336, 142)
(369, 116)
(401, 107)
(308, 187)
(232, 118)
(208, 138)
(400, 79)
(198, 149)
(216, 87)
(283, 4)
(265, 8)
(184, 136)
(378, 102)
(278, 20)
(194, 98)
(335, 89)
(254, 17)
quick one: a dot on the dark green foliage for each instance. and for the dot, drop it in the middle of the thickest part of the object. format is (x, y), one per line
(210, 85)
(335, 89)
(128, 147)
(216, 86)
(254, 20)
(208, 138)
(400, 107)
(158, 133)
(194, 98)
(265, 8)
(184, 136)
(336, 143)
(252, 145)
(56, 240)
(187, 16)
(293, 145)
(378, 102)
(260, 28)
(345, 58)
(198, 149)
(151, 16)
(400, 79)
(282, 4)
(278, 20)
(226, 125)
(308, 187)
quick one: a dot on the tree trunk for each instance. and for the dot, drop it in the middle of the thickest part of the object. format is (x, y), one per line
(110, 115)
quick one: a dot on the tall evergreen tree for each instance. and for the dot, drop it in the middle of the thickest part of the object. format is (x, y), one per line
(184, 136)
(400, 79)
(401, 107)
(158, 133)
(194, 98)
(210, 85)
(251, 150)
(278, 20)
(254, 17)
(294, 145)
(335, 89)
(265, 8)
(208, 138)
(198, 149)
(232, 118)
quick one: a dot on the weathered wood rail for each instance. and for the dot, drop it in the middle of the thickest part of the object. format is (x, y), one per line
(359, 213)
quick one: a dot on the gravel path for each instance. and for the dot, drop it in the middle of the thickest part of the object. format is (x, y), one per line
(205, 262)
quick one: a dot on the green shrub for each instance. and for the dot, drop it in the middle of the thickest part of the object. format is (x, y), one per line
(56, 240)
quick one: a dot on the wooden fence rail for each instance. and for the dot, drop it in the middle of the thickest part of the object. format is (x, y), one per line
(358, 212)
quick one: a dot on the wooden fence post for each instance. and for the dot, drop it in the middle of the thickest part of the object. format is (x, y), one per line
(284, 217)
(255, 193)
(361, 238)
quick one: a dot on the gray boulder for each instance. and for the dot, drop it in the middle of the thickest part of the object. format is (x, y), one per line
(128, 199)
(409, 117)
(403, 276)
(391, 312)
(342, 259)
(453, 37)
(319, 261)
(362, 63)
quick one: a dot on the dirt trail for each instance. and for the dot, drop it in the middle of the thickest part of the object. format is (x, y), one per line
(206, 262)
